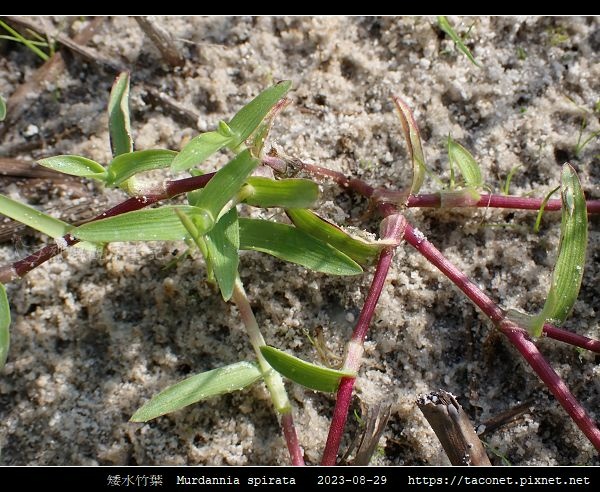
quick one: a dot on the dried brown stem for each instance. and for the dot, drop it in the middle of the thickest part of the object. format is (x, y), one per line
(162, 39)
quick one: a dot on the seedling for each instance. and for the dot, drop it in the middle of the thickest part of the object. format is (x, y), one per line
(215, 224)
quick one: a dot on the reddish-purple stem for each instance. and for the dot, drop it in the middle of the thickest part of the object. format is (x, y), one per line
(344, 394)
(172, 188)
(500, 201)
(520, 339)
(516, 335)
(291, 439)
(571, 338)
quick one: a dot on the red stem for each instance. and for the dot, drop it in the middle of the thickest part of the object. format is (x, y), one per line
(571, 338)
(172, 188)
(344, 394)
(291, 439)
(516, 335)
(520, 339)
(500, 201)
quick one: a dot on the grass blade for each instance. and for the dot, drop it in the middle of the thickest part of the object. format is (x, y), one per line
(199, 149)
(2, 109)
(356, 248)
(568, 270)
(125, 166)
(447, 28)
(119, 125)
(223, 244)
(197, 388)
(291, 244)
(75, 165)
(252, 114)
(4, 326)
(223, 186)
(33, 218)
(413, 141)
(467, 165)
(157, 224)
(309, 375)
(285, 193)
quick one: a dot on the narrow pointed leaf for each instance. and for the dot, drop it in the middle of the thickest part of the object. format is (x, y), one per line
(2, 109)
(199, 149)
(286, 193)
(260, 135)
(447, 28)
(119, 125)
(311, 376)
(568, 270)
(413, 141)
(157, 224)
(223, 244)
(199, 387)
(224, 185)
(33, 218)
(252, 114)
(75, 165)
(466, 164)
(358, 249)
(291, 244)
(125, 166)
(4, 326)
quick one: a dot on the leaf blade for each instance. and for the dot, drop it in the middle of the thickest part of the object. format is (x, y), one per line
(33, 218)
(445, 26)
(252, 114)
(199, 149)
(413, 141)
(223, 244)
(285, 193)
(291, 244)
(568, 269)
(309, 375)
(4, 326)
(466, 163)
(75, 165)
(2, 109)
(157, 224)
(197, 388)
(124, 166)
(359, 250)
(119, 124)
(224, 185)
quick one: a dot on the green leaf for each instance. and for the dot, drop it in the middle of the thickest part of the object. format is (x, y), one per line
(223, 186)
(466, 164)
(157, 224)
(413, 141)
(568, 270)
(291, 244)
(2, 109)
(33, 218)
(358, 249)
(223, 244)
(4, 326)
(75, 165)
(447, 28)
(119, 125)
(311, 376)
(126, 165)
(199, 149)
(197, 388)
(286, 193)
(260, 135)
(252, 114)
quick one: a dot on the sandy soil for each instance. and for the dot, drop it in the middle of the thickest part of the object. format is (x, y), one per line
(94, 338)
